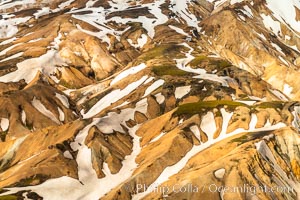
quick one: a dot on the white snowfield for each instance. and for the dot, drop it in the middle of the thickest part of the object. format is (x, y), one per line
(28, 69)
(10, 27)
(285, 13)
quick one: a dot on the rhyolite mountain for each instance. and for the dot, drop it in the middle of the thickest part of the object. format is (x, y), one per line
(98, 97)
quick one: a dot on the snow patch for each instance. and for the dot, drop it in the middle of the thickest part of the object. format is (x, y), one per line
(208, 125)
(141, 41)
(68, 155)
(160, 98)
(220, 173)
(271, 24)
(182, 91)
(153, 87)
(112, 97)
(130, 71)
(63, 99)
(42, 109)
(179, 30)
(12, 57)
(61, 115)
(196, 131)
(4, 124)
(287, 90)
(23, 117)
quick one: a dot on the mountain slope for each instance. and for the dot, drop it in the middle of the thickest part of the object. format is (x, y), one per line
(149, 99)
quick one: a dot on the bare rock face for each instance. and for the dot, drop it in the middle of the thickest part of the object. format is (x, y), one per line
(149, 99)
(106, 149)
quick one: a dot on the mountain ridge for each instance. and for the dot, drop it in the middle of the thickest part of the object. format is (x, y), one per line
(99, 98)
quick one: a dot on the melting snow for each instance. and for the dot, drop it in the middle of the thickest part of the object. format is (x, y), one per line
(279, 95)
(112, 97)
(235, 1)
(12, 57)
(29, 68)
(213, 77)
(277, 48)
(5, 5)
(130, 71)
(262, 36)
(182, 91)
(4, 124)
(196, 131)
(271, 24)
(160, 98)
(219, 173)
(99, 14)
(248, 11)
(8, 27)
(68, 155)
(179, 30)
(11, 152)
(63, 99)
(157, 137)
(153, 87)
(114, 121)
(208, 125)
(180, 8)
(8, 41)
(287, 90)
(61, 115)
(174, 169)
(285, 13)
(182, 63)
(283, 60)
(23, 117)
(149, 80)
(42, 12)
(141, 41)
(296, 121)
(267, 154)
(3, 52)
(42, 109)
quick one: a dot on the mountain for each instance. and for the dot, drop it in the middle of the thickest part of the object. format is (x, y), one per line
(149, 99)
